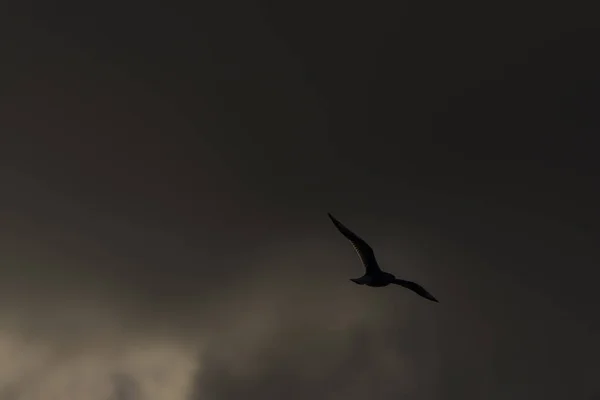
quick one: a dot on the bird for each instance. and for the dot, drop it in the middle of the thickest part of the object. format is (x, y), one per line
(374, 276)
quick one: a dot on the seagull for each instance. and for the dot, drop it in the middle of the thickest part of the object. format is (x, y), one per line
(374, 276)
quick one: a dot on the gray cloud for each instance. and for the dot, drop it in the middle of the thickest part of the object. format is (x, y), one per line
(164, 186)
(285, 322)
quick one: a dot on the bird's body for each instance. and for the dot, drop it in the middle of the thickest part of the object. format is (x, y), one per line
(375, 280)
(374, 276)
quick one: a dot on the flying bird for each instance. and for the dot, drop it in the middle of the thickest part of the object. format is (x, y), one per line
(374, 276)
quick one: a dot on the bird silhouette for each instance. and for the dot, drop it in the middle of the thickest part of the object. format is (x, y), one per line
(374, 276)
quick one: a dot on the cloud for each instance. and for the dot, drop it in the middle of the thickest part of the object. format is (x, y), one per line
(279, 325)
(80, 307)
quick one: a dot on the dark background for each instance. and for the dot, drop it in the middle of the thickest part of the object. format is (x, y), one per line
(166, 170)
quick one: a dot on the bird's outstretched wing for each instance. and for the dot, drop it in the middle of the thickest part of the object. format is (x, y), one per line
(364, 251)
(415, 287)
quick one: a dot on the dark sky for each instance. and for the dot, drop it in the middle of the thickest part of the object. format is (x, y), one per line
(166, 170)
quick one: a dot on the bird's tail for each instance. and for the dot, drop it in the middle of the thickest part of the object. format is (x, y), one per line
(363, 280)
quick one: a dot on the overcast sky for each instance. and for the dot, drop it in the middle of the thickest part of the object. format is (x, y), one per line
(166, 173)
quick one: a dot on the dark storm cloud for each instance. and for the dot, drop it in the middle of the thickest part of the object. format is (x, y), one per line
(166, 175)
